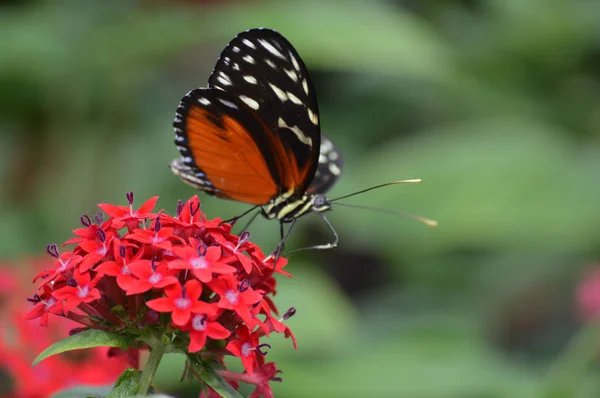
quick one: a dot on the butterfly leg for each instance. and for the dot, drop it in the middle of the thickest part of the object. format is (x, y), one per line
(326, 246)
(234, 219)
(250, 222)
(284, 237)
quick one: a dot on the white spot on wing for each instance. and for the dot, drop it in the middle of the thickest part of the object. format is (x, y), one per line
(224, 82)
(250, 102)
(235, 66)
(227, 103)
(249, 43)
(301, 136)
(333, 156)
(313, 117)
(305, 86)
(250, 79)
(292, 74)
(203, 101)
(270, 48)
(249, 59)
(270, 63)
(279, 92)
(322, 158)
(235, 49)
(326, 146)
(294, 99)
(335, 170)
(294, 62)
(224, 79)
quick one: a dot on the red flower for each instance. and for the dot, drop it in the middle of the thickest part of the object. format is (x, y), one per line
(149, 276)
(235, 296)
(181, 301)
(96, 250)
(236, 249)
(65, 262)
(120, 267)
(80, 289)
(218, 287)
(158, 237)
(261, 378)
(200, 328)
(246, 347)
(588, 294)
(201, 260)
(124, 215)
(44, 305)
(89, 232)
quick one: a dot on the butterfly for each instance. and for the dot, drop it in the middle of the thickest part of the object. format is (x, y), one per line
(253, 134)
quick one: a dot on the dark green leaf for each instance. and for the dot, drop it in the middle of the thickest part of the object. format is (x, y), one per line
(84, 392)
(87, 339)
(127, 385)
(213, 379)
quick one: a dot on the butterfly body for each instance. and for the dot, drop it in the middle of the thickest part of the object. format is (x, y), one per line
(253, 134)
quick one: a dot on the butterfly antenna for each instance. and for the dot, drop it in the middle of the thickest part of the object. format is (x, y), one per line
(426, 221)
(413, 181)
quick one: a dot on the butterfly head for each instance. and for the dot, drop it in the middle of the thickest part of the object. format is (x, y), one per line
(320, 203)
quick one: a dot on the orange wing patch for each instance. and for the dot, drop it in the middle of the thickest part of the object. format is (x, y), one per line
(224, 150)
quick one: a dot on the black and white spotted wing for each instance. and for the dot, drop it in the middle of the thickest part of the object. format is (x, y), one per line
(253, 134)
(263, 70)
(329, 169)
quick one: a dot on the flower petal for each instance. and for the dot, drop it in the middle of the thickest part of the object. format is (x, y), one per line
(197, 340)
(181, 317)
(163, 304)
(148, 205)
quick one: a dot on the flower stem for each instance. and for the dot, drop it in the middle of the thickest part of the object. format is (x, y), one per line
(156, 354)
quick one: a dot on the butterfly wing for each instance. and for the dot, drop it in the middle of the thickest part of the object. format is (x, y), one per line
(329, 169)
(262, 69)
(226, 149)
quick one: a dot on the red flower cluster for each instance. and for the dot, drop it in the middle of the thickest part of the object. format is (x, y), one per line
(130, 271)
(588, 294)
(21, 341)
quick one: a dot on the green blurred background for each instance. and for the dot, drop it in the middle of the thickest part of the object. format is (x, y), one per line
(495, 104)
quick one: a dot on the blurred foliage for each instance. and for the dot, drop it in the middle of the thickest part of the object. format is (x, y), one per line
(494, 103)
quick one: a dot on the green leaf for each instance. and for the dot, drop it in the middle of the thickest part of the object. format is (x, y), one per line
(565, 377)
(87, 339)
(213, 379)
(84, 391)
(127, 385)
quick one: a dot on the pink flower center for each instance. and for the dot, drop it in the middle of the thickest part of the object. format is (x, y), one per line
(155, 278)
(247, 349)
(231, 296)
(83, 292)
(182, 303)
(63, 264)
(199, 322)
(51, 301)
(198, 263)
